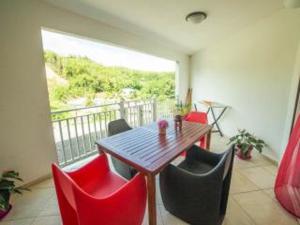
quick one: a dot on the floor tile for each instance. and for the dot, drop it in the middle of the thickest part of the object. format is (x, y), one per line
(259, 176)
(18, 222)
(240, 183)
(262, 209)
(169, 219)
(159, 218)
(270, 193)
(47, 220)
(51, 208)
(236, 214)
(271, 169)
(29, 204)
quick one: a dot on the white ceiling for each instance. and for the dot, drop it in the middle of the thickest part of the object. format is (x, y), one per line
(164, 20)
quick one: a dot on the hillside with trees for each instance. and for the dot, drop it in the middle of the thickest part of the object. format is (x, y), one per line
(74, 77)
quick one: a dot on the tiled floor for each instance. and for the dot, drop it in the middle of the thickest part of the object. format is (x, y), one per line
(251, 200)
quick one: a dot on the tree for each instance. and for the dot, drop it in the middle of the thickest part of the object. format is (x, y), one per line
(87, 78)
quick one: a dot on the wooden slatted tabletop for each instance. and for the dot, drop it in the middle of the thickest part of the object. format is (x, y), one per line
(149, 152)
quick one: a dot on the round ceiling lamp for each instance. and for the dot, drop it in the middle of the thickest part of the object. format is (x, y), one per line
(196, 17)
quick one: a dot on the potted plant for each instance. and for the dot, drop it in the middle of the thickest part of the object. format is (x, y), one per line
(244, 144)
(162, 126)
(8, 187)
(182, 109)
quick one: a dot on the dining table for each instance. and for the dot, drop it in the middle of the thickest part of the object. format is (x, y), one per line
(148, 151)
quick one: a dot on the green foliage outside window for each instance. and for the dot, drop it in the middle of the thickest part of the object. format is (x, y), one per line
(86, 78)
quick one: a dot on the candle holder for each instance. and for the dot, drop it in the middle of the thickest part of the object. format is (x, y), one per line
(178, 122)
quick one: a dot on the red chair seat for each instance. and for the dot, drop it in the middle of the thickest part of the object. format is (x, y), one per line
(93, 195)
(108, 184)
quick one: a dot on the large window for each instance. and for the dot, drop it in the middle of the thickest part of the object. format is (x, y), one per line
(83, 73)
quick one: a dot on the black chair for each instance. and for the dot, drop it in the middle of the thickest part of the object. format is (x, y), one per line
(196, 191)
(116, 127)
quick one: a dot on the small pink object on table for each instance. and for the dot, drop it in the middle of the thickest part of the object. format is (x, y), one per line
(163, 125)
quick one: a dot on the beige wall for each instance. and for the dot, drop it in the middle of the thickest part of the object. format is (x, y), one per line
(253, 72)
(27, 143)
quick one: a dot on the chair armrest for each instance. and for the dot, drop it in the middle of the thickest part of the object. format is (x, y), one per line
(134, 188)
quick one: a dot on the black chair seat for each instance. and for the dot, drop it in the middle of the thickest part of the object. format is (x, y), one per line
(196, 190)
(196, 167)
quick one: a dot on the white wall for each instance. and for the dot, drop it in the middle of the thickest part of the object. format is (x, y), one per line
(27, 143)
(252, 72)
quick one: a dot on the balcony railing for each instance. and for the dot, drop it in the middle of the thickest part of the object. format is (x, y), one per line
(76, 130)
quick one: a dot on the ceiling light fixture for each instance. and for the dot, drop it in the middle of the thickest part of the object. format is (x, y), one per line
(196, 17)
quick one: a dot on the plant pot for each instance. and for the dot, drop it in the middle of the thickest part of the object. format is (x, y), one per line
(4, 213)
(242, 155)
(162, 131)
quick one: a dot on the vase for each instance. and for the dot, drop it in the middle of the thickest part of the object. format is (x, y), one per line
(244, 156)
(4, 213)
(162, 130)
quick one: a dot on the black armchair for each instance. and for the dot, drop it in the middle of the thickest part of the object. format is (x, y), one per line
(196, 191)
(116, 127)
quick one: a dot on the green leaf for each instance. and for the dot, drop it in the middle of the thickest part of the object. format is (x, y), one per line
(12, 175)
(3, 203)
(245, 139)
(6, 184)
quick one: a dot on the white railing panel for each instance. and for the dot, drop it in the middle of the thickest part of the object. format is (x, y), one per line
(76, 130)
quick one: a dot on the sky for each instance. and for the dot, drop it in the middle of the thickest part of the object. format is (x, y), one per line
(104, 54)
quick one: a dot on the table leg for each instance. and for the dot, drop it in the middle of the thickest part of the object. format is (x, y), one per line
(151, 199)
(100, 150)
(216, 122)
(208, 139)
(216, 119)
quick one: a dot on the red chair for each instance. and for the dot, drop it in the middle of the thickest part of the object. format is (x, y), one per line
(94, 195)
(287, 185)
(198, 117)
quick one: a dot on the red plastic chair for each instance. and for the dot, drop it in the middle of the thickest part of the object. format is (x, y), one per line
(93, 195)
(198, 117)
(287, 186)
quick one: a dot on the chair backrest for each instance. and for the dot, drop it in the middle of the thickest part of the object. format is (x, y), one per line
(197, 117)
(94, 202)
(64, 184)
(229, 160)
(117, 126)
